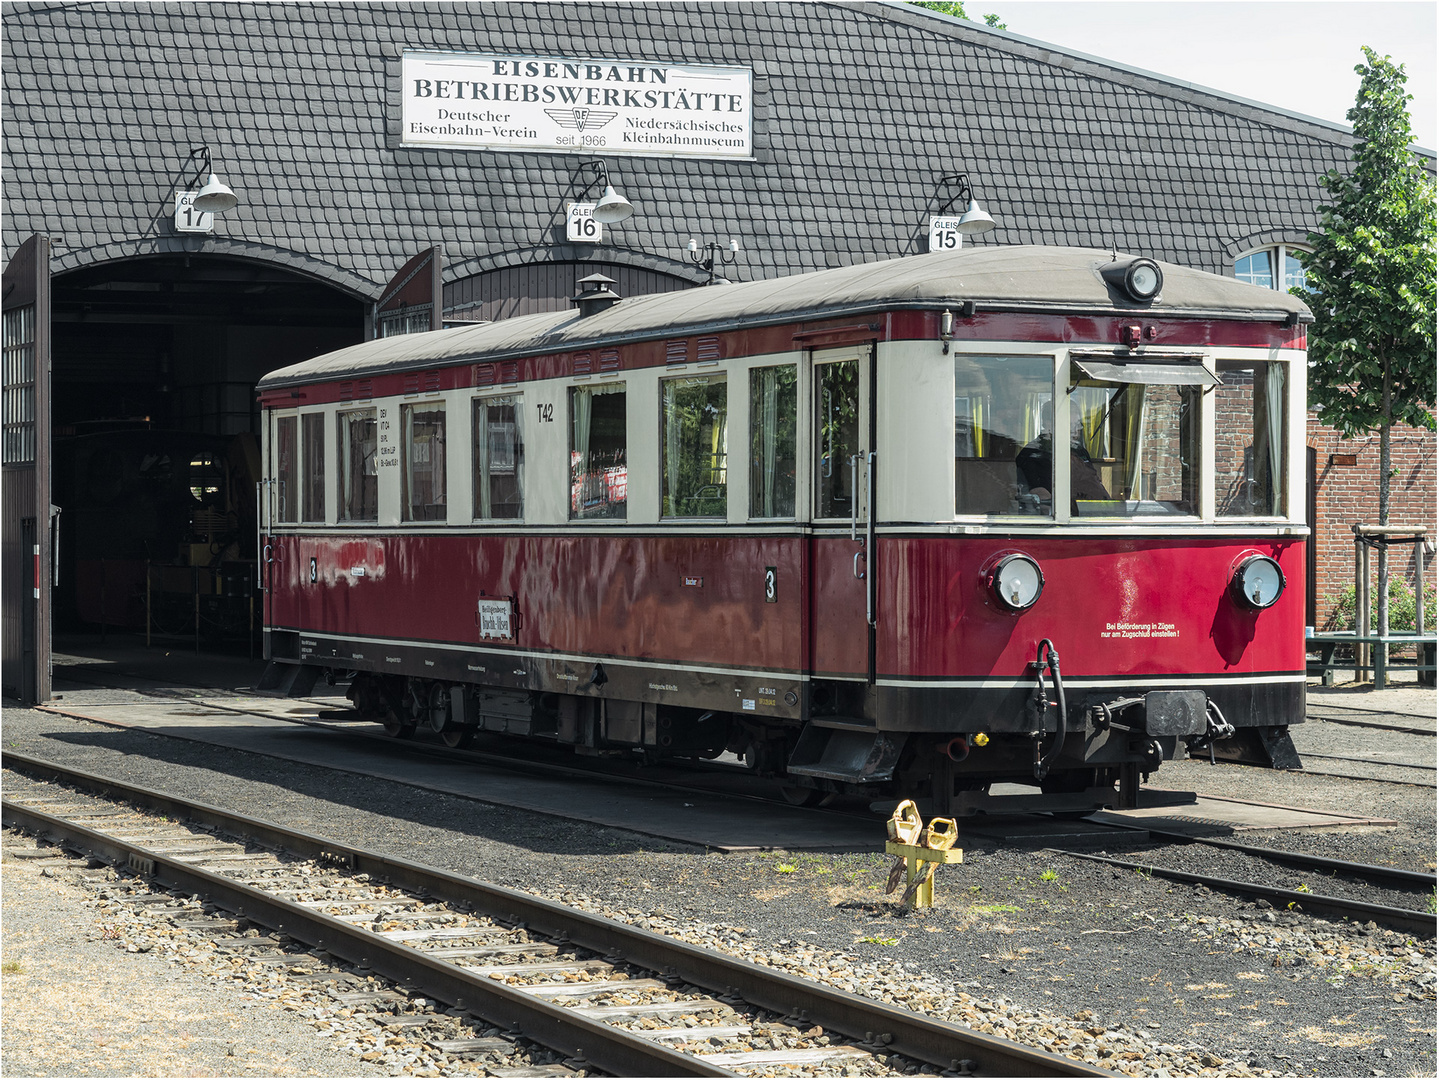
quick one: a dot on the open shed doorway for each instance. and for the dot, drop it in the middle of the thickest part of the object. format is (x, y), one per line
(155, 445)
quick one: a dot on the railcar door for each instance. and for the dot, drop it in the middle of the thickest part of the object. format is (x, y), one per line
(842, 596)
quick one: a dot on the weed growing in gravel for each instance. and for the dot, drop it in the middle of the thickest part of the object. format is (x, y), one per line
(785, 868)
(880, 940)
(11, 967)
(1433, 905)
(1301, 887)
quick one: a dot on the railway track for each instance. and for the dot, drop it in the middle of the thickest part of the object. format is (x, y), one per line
(1409, 920)
(599, 995)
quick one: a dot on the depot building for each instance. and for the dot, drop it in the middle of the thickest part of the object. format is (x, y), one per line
(198, 194)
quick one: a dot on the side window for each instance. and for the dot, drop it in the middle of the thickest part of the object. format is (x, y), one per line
(422, 495)
(599, 469)
(359, 490)
(1003, 435)
(1250, 417)
(498, 458)
(287, 491)
(836, 435)
(312, 428)
(773, 423)
(694, 447)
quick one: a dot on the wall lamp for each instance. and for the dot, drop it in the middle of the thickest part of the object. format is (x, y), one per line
(713, 253)
(214, 197)
(612, 207)
(974, 220)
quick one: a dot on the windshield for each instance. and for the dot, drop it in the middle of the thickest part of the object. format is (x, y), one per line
(1134, 449)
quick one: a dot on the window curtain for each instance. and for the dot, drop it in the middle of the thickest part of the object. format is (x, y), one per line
(1091, 402)
(347, 470)
(481, 436)
(1033, 416)
(769, 438)
(719, 449)
(580, 460)
(1135, 417)
(411, 496)
(1274, 410)
(674, 450)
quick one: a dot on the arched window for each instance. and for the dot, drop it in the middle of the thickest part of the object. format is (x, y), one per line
(1271, 268)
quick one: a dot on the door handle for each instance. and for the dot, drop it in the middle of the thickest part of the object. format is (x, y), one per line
(858, 568)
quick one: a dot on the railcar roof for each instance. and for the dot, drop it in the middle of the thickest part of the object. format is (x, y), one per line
(1019, 278)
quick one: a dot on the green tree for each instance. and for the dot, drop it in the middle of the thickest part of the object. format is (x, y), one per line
(955, 8)
(1370, 278)
(1370, 283)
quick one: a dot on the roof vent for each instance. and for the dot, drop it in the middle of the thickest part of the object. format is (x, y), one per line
(595, 295)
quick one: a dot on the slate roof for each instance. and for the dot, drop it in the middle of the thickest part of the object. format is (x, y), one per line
(859, 109)
(996, 278)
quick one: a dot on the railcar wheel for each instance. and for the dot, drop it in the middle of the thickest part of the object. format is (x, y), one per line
(803, 796)
(397, 728)
(437, 712)
(457, 738)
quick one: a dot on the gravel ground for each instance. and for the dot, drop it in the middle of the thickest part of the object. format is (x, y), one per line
(77, 1003)
(1170, 979)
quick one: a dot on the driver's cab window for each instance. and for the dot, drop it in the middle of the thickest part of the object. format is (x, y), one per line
(1137, 437)
(1003, 431)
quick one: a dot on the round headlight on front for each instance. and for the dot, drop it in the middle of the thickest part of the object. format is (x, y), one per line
(1143, 280)
(1258, 582)
(1016, 581)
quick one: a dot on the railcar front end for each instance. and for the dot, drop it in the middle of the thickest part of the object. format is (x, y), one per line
(916, 528)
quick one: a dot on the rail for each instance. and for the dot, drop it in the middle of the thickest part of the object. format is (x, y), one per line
(898, 1030)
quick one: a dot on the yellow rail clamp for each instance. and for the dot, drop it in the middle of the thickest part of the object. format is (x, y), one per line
(919, 860)
(905, 824)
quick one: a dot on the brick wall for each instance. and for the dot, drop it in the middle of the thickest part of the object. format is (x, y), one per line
(1345, 494)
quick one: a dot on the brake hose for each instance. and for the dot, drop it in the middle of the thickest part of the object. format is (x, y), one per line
(1041, 764)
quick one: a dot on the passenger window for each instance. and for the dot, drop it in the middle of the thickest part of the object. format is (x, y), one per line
(773, 422)
(1003, 431)
(287, 495)
(312, 427)
(498, 457)
(1135, 438)
(359, 491)
(836, 434)
(694, 447)
(599, 472)
(422, 473)
(1250, 417)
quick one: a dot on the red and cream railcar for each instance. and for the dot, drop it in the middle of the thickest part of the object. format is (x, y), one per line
(817, 522)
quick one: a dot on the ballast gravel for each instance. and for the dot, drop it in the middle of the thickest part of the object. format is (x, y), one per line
(1132, 973)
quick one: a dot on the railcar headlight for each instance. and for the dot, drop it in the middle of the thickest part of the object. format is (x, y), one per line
(1138, 279)
(1017, 582)
(1258, 582)
(1143, 280)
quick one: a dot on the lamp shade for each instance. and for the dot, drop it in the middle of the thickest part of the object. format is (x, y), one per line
(975, 220)
(215, 197)
(612, 207)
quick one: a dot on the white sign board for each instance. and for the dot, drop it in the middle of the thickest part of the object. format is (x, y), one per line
(494, 616)
(187, 218)
(581, 226)
(485, 101)
(944, 234)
